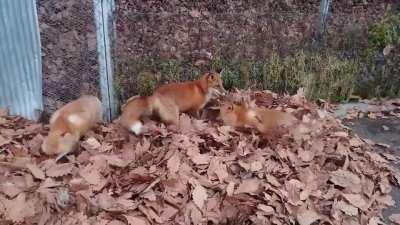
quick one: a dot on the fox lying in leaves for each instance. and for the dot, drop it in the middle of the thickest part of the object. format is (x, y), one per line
(248, 114)
(69, 123)
(169, 100)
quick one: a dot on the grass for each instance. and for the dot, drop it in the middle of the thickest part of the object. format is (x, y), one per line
(322, 77)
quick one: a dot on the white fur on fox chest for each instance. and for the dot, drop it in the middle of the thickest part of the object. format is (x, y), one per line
(207, 97)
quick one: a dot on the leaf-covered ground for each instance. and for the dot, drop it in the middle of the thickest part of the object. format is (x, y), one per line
(206, 173)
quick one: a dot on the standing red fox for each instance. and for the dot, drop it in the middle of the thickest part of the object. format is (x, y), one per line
(169, 100)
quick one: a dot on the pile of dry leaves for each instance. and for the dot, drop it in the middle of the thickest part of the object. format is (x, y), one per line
(318, 173)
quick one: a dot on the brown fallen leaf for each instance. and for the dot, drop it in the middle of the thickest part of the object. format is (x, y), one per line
(19, 208)
(375, 221)
(93, 176)
(347, 208)
(357, 200)
(10, 188)
(346, 178)
(199, 196)
(250, 186)
(340, 134)
(267, 210)
(376, 157)
(355, 142)
(293, 188)
(59, 170)
(174, 163)
(307, 216)
(306, 156)
(135, 220)
(36, 171)
(368, 187)
(115, 160)
(91, 144)
(385, 200)
(230, 188)
(395, 218)
(384, 185)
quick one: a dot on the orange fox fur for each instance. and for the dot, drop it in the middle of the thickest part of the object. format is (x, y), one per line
(69, 123)
(241, 115)
(169, 100)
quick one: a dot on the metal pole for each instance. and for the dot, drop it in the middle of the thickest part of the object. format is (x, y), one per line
(324, 12)
(104, 12)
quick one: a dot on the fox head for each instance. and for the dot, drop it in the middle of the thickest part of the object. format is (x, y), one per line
(228, 113)
(214, 80)
(59, 142)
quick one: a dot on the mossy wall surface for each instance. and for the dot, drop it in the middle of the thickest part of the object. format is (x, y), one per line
(259, 44)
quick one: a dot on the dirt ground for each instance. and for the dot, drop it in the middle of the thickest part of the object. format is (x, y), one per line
(382, 130)
(373, 130)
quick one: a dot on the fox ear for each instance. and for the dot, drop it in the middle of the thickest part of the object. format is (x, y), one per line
(219, 70)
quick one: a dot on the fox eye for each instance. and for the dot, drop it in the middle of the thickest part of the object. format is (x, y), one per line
(230, 108)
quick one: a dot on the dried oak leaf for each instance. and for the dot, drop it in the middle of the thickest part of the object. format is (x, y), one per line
(18, 209)
(36, 171)
(136, 220)
(168, 212)
(355, 142)
(340, 134)
(307, 216)
(293, 188)
(306, 156)
(395, 218)
(91, 144)
(115, 160)
(250, 186)
(59, 170)
(347, 208)
(346, 178)
(375, 221)
(385, 200)
(384, 185)
(230, 188)
(199, 195)
(368, 187)
(4, 141)
(174, 163)
(376, 157)
(218, 168)
(11, 188)
(357, 200)
(108, 203)
(266, 209)
(93, 176)
(197, 158)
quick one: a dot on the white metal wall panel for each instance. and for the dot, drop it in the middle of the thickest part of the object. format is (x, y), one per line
(20, 58)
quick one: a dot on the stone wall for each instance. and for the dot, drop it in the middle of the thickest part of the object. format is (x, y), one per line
(200, 29)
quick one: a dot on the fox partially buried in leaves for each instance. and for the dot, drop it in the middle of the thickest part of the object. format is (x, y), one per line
(248, 114)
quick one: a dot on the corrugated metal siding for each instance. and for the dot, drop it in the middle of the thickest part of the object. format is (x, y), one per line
(20, 58)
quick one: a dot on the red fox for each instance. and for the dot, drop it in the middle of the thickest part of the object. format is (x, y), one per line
(169, 100)
(69, 123)
(241, 115)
